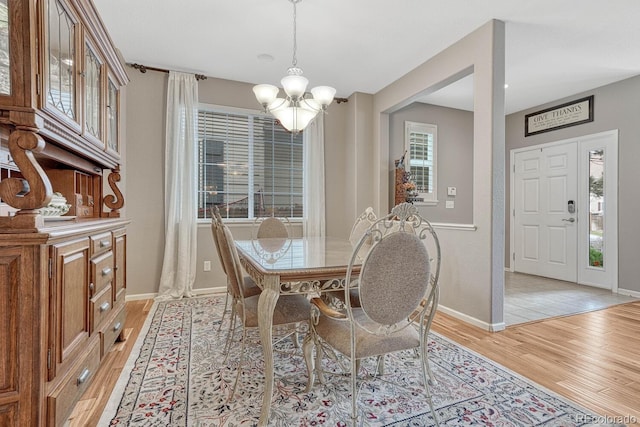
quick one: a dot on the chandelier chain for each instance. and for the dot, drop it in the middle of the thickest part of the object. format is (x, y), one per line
(295, 43)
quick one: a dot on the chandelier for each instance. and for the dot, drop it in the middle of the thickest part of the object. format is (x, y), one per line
(295, 111)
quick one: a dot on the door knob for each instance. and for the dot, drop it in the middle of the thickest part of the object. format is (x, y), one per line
(569, 220)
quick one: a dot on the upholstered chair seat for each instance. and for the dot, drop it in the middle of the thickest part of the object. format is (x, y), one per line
(249, 287)
(289, 309)
(336, 333)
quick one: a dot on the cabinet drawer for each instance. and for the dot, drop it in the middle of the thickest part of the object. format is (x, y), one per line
(100, 243)
(61, 401)
(101, 272)
(101, 306)
(112, 331)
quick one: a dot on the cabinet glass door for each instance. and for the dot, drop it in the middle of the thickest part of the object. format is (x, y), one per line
(112, 117)
(5, 62)
(92, 87)
(61, 77)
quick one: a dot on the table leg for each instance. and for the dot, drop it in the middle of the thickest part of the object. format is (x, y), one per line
(266, 304)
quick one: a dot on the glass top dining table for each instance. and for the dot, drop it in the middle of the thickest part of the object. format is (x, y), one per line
(306, 265)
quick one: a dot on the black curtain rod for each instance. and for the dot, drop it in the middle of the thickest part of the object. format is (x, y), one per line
(143, 69)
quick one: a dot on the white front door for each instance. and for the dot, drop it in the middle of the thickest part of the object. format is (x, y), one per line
(545, 217)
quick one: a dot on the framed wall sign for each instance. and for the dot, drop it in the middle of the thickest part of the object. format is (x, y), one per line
(562, 116)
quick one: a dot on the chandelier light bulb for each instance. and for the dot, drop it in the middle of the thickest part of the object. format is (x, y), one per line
(265, 94)
(294, 85)
(323, 95)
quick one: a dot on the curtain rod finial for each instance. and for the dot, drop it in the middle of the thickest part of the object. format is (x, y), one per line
(139, 67)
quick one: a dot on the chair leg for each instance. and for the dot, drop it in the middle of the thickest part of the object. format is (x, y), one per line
(381, 365)
(432, 378)
(307, 350)
(224, 312)
(426, 371)
(231, 333)
(294, 338)
(235, 384)
(318, 364)
(354, 391)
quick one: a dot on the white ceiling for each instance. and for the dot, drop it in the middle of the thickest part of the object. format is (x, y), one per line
(554, 48)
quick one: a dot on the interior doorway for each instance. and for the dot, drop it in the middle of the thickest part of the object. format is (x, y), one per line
(564, 210)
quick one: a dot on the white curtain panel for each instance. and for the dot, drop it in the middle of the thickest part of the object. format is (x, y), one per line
(314, 200)
(180, 188)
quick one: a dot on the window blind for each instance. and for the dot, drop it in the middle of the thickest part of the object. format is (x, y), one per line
(249, 166)
(421, 160)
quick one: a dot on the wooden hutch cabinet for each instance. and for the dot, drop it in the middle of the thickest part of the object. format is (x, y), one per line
(62, 278)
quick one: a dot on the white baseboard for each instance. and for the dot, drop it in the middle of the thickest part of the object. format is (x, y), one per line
(216, 290)
(138, 297)
(200, 291)
(629, 293)
(491, 327)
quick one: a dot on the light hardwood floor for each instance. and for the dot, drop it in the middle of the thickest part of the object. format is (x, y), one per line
(88, 410)
(591, 358)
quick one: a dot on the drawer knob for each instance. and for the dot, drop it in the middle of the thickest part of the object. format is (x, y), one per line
(117, 327)
(84, 376)
(105, 306)
(105, 243)
(92, 287)
(106, 271)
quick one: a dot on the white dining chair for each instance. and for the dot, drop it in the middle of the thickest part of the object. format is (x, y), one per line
(398, 294)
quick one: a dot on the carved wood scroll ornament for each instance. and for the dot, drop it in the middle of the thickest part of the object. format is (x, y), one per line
(34, 191)
(116, 202)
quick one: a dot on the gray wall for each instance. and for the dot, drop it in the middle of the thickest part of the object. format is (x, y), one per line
(454, 157)
(144, 201)
(616, 106)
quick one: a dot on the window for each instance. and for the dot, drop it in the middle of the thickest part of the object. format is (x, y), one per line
(249, 165)
(421, 141)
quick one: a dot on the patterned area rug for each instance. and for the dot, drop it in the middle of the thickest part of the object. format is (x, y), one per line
(177, 378)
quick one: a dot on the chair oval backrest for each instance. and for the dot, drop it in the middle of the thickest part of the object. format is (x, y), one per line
(361, 225)
(272, 227)
(394, 278)
(230, 260)
(216, 241)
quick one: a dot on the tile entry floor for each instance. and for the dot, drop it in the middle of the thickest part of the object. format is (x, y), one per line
(529, 298)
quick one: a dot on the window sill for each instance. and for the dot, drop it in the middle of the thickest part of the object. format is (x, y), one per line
(426, 203)
(240, 221)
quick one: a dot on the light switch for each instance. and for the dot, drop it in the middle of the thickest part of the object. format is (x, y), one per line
(451, 191)
(449, 204)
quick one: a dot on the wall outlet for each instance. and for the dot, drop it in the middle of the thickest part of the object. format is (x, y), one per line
(451, 191)
(207, 266)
